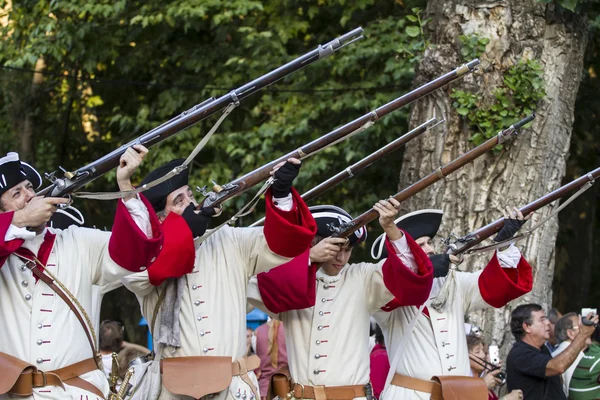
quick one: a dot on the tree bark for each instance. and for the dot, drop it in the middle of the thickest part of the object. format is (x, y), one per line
(528, 166)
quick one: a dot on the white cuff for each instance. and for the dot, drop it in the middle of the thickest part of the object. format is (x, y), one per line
(405, 254)
(138, 211)
(510, 257)
(284, 203)
(14, 232)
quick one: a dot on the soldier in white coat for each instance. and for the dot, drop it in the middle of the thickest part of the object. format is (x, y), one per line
(328, 342)
(37, 327)
(437, 346)
(204, 317)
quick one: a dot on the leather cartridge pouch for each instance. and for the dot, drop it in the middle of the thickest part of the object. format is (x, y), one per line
(280, 383)
(196, 376)
(462, 387)
(12, 368)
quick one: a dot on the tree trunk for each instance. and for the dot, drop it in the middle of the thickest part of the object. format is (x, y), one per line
(528, 166)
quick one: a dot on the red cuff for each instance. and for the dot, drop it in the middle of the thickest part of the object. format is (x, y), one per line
(7, 248)
(128, 246)
(498, 286)
(178, 254)
(290, 286)
(408, 288)
(289, 233)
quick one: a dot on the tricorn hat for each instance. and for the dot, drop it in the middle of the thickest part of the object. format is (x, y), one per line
(417, 224)
(13, 171)
(328, 217)
(157, 195)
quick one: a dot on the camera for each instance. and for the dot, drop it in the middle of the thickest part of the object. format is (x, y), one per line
(585, 312)
(494, 354)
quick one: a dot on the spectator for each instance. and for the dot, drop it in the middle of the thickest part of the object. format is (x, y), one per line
(481, 368)
(565, 331)
(249, 336)
(553, 316)
(270, 347)
(585, 383)
(380, 363)
(111, 341)
(529, 365)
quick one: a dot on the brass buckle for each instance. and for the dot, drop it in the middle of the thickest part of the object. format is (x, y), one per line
(301, 387)
(44, 379)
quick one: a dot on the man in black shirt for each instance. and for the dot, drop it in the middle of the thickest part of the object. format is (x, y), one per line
(529, 365)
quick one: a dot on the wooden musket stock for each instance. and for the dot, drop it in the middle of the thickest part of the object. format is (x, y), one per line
(348, 228)
(75, 180)
(465, 243)
(242, 184)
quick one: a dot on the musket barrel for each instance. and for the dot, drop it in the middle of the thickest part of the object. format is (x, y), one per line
(429, 180)
(200, 112)
(262, 173)
(481, 234)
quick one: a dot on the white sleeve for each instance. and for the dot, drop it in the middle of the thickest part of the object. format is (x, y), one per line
(405, 254)
(510, 257)
(138, 211)
(284, 203)
(14, 232)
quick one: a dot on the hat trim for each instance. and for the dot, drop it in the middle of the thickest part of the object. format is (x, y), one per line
(418, 212)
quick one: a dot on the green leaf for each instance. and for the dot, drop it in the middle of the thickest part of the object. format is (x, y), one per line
(413, 31)
(462, 111)
(411, 18)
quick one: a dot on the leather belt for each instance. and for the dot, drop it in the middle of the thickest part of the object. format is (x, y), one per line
(419, 385)
(328, 392)
(30, 378)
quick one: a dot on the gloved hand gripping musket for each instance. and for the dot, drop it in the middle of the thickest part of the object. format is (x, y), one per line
(73, 181)
(466, 243)
(347, 229)
(357, 167)
(220, 194)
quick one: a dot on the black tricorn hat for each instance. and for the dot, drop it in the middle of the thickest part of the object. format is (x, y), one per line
(157, 195)
(66, 217)
(328, 217)
(13, 171)
(417, 224)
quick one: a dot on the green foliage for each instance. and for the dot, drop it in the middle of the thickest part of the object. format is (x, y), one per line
(116, 69)
(473, 46)
(414, 49)
(523, 88)
(570, 5)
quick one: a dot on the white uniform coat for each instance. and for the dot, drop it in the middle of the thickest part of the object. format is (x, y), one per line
(213, 310)
(37, 326)
(328, 344)
(437, 345)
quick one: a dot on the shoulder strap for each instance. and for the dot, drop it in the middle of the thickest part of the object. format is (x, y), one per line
(64, 294)
(161, 299)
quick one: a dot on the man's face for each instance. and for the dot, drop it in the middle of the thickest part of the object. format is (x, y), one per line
(539, 330)
(426, 245)
(571, 333)
(335, 265)
(17, 197)
(178, 200)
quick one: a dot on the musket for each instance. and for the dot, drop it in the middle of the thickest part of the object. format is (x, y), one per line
(463, 244)
(357, 167)
(348, 228)
(220, 194)
(77, 179)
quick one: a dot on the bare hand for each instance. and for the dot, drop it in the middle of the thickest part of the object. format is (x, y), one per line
(326, 249)
(37, 212)
(128, 163)
(456, 259)
(279, 165)
(515, 213)
(588, 330)
(490, 379)
(388, 210)
(516, 394)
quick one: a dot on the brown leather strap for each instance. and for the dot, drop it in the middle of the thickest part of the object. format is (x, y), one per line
(241, 366)
(31, 378)
(331, 392)
(419, 385)
(32, 265)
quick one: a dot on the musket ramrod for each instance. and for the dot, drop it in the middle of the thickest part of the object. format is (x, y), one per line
(77, 179)
(348, 228)
(234, 188)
